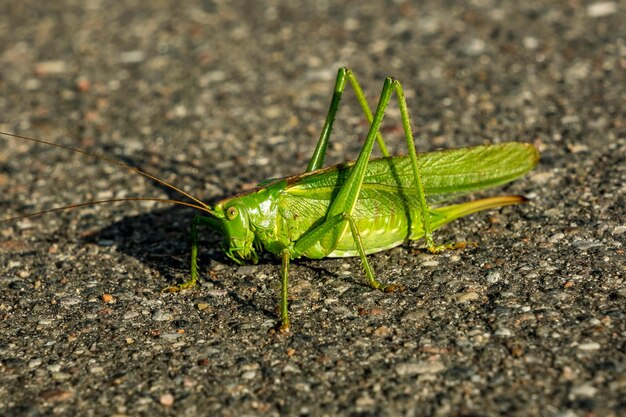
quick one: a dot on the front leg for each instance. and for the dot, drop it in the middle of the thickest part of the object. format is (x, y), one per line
(213, 224)
(284, 278)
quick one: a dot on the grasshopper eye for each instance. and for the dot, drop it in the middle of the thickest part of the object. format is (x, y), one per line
(231, 213)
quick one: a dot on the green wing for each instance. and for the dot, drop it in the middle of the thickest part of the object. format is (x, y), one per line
(388, 196)
(446, 174)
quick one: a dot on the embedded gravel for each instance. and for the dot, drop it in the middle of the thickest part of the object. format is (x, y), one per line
(215, 96)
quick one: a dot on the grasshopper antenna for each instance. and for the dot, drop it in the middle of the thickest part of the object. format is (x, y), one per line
(200, 205)
(112, 200)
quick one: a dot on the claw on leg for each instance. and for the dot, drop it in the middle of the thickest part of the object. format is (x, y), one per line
(178, 288)
(284, 327)
(451, 246)
(393, 288)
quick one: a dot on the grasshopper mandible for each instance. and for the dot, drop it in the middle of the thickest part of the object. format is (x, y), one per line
(352, 209)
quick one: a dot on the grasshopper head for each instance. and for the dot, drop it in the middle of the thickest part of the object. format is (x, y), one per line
(235, 225)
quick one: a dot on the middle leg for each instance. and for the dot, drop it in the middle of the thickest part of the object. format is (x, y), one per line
(343, 75)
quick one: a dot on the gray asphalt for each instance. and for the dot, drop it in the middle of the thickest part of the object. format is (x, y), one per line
(215, 96)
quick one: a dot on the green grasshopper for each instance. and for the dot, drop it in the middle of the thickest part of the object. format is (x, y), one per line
(353, 209)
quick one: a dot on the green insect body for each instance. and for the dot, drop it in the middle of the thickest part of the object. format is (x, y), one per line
(387, 211)
(353, 209)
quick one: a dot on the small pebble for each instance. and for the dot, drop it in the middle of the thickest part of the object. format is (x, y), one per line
(189, 382)
(370, 312)
(55, 367)
(493, 277)
(248, 375)
(418, 316)
(602, 8)
(170, 337)
(566, 413)
(202, 306)
(51, 67)
(571, 119)
(291, 369)
(132, 57)
(503, 332)
(167, 400)
(34, 363)
(54, 395)
(467, 297)
(382, 331)
(365, 401)
(418, 368)
(586, 244)
(252, 366)
(619, 230)
(475, 47)
(530, 42)
(589, 346)
(70, 301)
(96, 370)
(302, 387)
(556, 237)
(162, 315)
(83, 84)
(584, 390)
(247, 270)
(130, 315)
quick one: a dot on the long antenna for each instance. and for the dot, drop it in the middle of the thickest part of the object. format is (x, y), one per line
(112, 200)
(118, 163)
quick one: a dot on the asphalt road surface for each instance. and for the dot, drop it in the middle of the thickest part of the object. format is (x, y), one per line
(215, 96)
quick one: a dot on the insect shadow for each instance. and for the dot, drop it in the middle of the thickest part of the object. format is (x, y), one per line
(159, 240)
